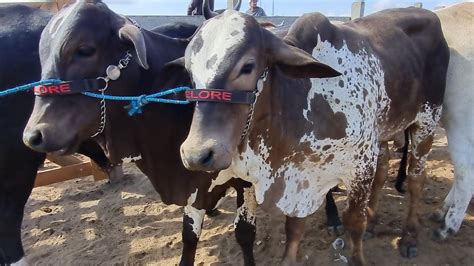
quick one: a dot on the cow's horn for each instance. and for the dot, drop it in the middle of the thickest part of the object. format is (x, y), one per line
(133, 34)
(237, 5)
(206, 10)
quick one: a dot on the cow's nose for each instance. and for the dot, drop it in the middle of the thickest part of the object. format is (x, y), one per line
(198, 160)
(33, 138)
(207, 155)
(206, 158)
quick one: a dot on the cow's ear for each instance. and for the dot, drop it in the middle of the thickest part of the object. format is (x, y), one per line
(131, 33)
(173, 74)
(175, 65)
(295, 62)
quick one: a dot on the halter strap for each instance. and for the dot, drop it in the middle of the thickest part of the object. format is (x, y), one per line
(222, 96)
(69, 87)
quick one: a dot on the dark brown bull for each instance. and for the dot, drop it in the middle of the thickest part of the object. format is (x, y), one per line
(303, 136)
(20, 30)
(80, 42)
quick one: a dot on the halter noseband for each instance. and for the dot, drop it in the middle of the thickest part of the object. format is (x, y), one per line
(220, 96)
(69, 87)
(99, 84)
(229, 96)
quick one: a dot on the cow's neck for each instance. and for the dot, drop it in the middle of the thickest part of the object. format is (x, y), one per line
(263, 113)
(153, 138)
(280, 96)
(140, 136)
(274, 111)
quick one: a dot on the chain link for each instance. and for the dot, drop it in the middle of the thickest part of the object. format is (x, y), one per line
(248, 123)
(103, 112)
(123, 63)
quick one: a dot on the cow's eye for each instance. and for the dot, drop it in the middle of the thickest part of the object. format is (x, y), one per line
(85, 51)
(247, 69)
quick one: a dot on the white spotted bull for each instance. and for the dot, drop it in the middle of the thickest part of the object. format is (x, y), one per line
(317, 120)
(458, 118)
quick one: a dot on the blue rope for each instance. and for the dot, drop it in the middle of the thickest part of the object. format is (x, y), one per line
(28, 87)
(136, 102)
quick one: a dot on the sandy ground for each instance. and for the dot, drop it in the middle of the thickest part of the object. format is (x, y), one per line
(82, 222)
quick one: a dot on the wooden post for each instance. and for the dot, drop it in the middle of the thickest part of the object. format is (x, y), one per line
(358, 8)
(97, 172)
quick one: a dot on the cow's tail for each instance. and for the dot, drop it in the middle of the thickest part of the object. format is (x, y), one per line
(402, 170)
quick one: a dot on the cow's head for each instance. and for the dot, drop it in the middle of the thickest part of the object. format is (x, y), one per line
(80, 42)
(231, 51)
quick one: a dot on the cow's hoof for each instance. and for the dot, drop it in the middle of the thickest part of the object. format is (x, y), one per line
(408, 250)
(440, 234)
(336, 230)
(437, 216)
(213, 213)
(116, 174)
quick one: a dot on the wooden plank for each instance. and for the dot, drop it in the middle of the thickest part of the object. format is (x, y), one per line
(64, 160)
(97, 172)
(63, 173)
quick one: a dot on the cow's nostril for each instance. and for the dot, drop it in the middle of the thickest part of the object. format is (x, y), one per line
(208, 158)
(35, 138)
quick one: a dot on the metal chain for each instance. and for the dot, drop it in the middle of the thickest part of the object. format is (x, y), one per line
(248, 123)
(103, 112)
(123, 63)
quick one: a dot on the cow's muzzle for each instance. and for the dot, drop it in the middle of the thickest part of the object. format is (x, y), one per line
(209, 157)
(41, 138)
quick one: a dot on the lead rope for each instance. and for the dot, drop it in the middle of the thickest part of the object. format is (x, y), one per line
(258, 90)
(113, 73)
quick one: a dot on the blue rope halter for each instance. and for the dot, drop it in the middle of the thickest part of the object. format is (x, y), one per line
(136, 102)
(28, 87)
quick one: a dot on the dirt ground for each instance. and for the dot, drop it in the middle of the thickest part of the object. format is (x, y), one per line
(82, 222)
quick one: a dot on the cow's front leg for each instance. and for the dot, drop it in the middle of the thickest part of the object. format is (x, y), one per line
(294, 229)
(192, 226)
(245, 222)
(377, 185)
(354, 217)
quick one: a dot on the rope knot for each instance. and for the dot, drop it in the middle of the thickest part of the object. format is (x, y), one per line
(137, 105)
(142, 100)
